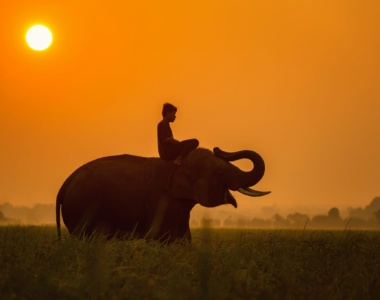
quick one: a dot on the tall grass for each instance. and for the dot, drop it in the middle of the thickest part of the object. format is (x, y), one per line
(219, 264)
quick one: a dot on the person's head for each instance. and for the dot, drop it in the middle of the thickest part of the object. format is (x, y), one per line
(168, 111)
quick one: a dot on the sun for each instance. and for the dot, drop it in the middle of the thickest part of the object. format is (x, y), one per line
(39, 37)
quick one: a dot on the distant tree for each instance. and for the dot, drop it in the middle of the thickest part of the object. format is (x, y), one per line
(334, 214)
(331, 220)
(367, 212)
(38, 214)
(242, 222)
(279, 221)
(297, 219)
(374, 205)
(259, 223)
(377, 217)
(2, 217)
(319, 221)
(358, 213)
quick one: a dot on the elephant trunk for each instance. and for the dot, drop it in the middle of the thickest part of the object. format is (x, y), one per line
(248, 178)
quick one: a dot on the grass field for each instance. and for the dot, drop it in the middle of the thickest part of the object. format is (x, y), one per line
(219, 264)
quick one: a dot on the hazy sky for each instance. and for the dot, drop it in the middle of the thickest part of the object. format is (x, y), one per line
(296, 81)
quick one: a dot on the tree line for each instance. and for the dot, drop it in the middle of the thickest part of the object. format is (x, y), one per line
(359, 218)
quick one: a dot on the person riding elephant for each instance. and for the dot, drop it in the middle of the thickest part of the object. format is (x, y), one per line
(168, 147)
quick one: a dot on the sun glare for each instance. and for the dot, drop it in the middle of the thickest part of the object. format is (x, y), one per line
(39, 37)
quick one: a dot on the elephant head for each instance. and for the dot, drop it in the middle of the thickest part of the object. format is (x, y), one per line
(207, 177)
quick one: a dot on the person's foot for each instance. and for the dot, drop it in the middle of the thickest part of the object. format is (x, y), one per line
(178, 161)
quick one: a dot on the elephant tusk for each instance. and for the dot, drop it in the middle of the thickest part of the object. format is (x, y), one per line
(252, 193)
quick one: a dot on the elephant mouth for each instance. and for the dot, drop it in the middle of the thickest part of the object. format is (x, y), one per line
(229, 199)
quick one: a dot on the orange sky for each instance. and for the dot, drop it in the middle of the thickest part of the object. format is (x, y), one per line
(296, 81)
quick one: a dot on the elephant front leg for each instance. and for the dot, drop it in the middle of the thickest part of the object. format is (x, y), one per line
(184, 233)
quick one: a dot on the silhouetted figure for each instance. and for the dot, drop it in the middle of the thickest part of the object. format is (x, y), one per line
(168, 147)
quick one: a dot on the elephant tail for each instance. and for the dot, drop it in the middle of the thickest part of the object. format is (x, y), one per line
(58, 213)
(58, 204)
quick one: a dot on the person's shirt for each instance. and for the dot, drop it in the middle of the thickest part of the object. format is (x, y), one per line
(163, 132)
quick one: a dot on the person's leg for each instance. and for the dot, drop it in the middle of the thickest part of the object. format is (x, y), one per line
(184, 148)
(171, 152)
(187, 146)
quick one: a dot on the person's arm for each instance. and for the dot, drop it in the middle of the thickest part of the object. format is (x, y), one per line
(165, 134)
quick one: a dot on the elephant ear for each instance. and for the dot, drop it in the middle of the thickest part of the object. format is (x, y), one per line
(181, 183)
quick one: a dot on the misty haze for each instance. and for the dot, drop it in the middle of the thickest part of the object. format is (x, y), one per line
(352, 218)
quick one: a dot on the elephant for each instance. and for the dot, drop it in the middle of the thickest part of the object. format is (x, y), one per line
(127, 196)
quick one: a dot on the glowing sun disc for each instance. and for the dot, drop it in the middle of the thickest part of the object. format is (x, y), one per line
(39, 37)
